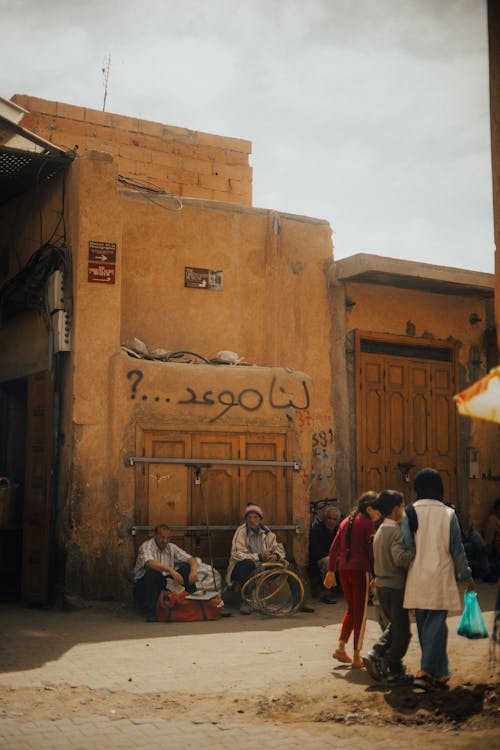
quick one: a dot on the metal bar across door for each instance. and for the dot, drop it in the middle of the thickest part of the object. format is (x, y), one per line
(298, 528)
(130, 460)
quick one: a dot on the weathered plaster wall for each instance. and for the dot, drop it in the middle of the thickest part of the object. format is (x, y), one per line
(181, 161)
(273, 311)
(436, 316)
(90, 521)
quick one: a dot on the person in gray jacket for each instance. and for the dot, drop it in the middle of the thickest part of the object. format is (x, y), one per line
(391, 560)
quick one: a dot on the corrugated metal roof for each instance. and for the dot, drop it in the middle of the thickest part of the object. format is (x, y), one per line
(26, 160)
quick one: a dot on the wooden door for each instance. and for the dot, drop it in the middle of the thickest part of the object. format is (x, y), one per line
(405, 417)
(37, 518)
(177, 494)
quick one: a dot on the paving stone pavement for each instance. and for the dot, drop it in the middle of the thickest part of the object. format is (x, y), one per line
(101, 648)
(97, 732)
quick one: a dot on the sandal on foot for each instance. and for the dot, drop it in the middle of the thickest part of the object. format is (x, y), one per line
(441, 682)
(423, 681)
(357, 664)
(342, 656)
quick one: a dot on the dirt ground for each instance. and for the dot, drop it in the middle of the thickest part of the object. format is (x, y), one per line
(105, 659)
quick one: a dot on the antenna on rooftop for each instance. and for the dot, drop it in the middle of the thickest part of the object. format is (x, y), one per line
(105, 76)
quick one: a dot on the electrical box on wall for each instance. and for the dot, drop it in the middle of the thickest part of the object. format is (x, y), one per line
(62, 331)
(55, 291)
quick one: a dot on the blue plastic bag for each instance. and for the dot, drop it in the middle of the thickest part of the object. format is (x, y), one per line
(472, 623)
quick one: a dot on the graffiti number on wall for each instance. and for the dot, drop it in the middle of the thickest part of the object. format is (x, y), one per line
(323, 438)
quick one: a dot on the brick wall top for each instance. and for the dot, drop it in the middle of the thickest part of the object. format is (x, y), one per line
(182, 161)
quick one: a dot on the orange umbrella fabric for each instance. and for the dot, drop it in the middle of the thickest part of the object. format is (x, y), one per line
(482, 399)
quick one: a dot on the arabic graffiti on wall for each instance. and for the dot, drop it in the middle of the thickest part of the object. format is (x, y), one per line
(248, 399)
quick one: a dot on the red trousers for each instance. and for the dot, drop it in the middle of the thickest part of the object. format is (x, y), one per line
(355, 587)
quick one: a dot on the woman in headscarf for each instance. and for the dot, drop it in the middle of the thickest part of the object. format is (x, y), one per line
(432, 529)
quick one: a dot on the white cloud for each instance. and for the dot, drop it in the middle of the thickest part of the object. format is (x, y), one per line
(373, 114)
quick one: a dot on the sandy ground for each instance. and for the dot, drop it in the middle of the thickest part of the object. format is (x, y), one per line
(105, 659)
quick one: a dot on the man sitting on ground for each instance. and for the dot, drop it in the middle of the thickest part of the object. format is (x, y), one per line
(253, 543)
(320, 541)
(158, 560)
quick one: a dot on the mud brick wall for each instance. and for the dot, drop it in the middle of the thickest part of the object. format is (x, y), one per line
(184, 162)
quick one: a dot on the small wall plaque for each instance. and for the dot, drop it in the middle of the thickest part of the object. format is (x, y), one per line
(203, 278)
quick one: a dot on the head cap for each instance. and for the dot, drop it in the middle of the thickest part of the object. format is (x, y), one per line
(253, 508)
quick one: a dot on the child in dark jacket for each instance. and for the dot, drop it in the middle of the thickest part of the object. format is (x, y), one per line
(391, 560)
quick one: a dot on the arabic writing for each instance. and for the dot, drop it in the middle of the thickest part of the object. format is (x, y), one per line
(248, 399)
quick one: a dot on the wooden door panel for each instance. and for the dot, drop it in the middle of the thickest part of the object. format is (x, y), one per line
(374, 480)
(419, 412)
(371, 425)
(165, 498)
(405, 416)
(265, 485)
(397, 423)
(419, 432)
(443, 428)
(37, 499)
(220, 496)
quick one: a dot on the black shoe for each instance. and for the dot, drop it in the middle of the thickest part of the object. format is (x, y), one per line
(327, 599)
(374, 665)
(400, 680)
(306, 608)
(152, 618)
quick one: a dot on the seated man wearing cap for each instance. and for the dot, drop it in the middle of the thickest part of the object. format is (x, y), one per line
(253, 542)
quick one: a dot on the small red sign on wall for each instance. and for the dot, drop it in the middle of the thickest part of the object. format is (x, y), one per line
(102, 262)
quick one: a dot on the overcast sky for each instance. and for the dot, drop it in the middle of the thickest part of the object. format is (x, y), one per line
(372, 114)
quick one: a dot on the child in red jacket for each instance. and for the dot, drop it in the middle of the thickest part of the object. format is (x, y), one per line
(351, 554)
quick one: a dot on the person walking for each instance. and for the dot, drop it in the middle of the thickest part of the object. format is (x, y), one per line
(431, 528)
(391, 560)
(351, 554)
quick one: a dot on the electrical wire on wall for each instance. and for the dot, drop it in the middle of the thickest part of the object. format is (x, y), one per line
(149, 190)
(27, 289)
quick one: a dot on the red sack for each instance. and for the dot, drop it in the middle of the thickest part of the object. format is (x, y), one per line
(176, 608)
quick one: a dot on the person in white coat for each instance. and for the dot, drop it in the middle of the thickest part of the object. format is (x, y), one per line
(432, 529)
